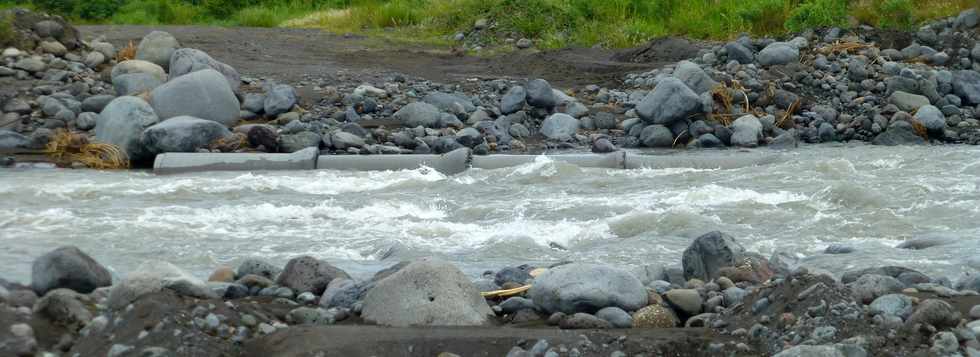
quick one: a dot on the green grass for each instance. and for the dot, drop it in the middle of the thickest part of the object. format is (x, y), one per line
(550, 23)
(7, 36)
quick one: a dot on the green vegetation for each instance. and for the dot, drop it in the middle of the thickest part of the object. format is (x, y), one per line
(7, 35)
(551, 23)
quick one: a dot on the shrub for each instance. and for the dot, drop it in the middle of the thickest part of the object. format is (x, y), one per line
(896, 14)
(61, 7)
(256, 16)
(816, 14)
(7, 35)
(225, 8)
(99, 9)
(765, 16)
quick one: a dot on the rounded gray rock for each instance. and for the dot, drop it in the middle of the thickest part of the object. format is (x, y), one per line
(306, 273)
(670, 101)
(189, 60)
(122, 123)
(157, 47)
(70, 268)
(559, 126)
(182, 134)
(540, 94)
(279, 100)
(581, 287)
(202, 94)
(892, 304)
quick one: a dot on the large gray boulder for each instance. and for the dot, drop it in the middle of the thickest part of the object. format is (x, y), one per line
(427, 292)
(202, 94)
(778, 53)
(869, 287)
(670, 101)
(135, 83)
(694, 77)
(746, 131)
(157, 47)
(138, 66)
(122, 122)
(418, 114)
(280, 99)
(13, 140)
(932, 118)
(900, 132)
(189, 60)
(513, 101)
(308, 274)
(540, 94)
(154, 276)
(966, 85)
(580, 287)
(907, 101)
(182, 134)
(69, 268)
(657, 136)
(709, 253)
(899, 305)
(739, 53)
(559, 126)
(65, 308)
(450, 102)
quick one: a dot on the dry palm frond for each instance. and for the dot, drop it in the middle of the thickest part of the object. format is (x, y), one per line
(789, 114)
(126, 53)
(66, 148)
(842, 47)
(920, 129)
(230, 143)
(505, 293)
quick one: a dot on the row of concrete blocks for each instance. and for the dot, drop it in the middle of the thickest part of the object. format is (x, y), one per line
(449, 164)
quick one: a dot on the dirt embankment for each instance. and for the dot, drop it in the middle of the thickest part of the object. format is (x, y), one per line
(295, 55)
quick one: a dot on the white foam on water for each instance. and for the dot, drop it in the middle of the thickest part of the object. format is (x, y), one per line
(649, 172)
(542, 165)
(715, 195)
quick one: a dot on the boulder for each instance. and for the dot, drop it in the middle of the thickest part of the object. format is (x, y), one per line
(655, 316)
(30, 64)
(157, 47)
(138, 66)
(932, 118)
(341, 292)
(135, 83)
(202, 94)
(65, 308)
(694, 77)
(469, 137)
(900, 132)
(154, 276)
(657, 136)
(188, 60)
(254, 102)
(935, 312)
(258, 267)
(616, 317)
(69, 268)
(54, 48)
(892, 304)
(540, 94)
(122, 122)
(580, 287)
(289, 143)
(966, 85)
(778, 53)
(739, 53)
(670, 101)
(559, 126)
(710, 253)
(96, 103)
(907, 101)
(513, 101)
(182, 134)
(418, 114)
(13, 140)
(306, 273)
(426, 292)
(688, 301)
(869, 287)
(280, 99)
(450, 102)
(747, 132)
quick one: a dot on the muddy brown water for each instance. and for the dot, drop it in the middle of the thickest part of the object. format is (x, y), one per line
(293, 55)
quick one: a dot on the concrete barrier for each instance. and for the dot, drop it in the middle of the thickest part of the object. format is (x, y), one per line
(730, 161)
(450, 163)
(616, 160)
(175, 163)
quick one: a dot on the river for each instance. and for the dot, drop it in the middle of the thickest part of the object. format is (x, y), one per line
(870, 198)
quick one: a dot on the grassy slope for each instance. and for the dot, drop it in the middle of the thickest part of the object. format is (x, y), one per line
(551, 23)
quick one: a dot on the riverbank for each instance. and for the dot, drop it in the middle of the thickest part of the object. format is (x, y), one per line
(723, 299)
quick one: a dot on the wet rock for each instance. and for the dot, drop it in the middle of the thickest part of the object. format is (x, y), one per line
(934, 312)
(13, 140)
(709, 253)
(154, 276)
(64, 307)
(280, 99)
(687, 301)
(520, 274)
(540, 95)
(157, 47)
(966, 85)
(201, 94)
(670, 101)
(343, 140)
(426, 292)
(306, 273)
(969, 282)
(654, 316)
(869, 287)
(931, 118)
(182, 134)
(258, 267)
(70, 268)
(581, 321)
(122, 124)
(657, 136)
(900, 132)
(418, 114)
(892, 304)
(341, 292)
(603, 146)
(188, 60)
(577, 287)
(747, 132)
(559, 127)
(616, 317)
(515, 304)
(513, 101)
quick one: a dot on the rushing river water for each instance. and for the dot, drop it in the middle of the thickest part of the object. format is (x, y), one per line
(870, 198)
